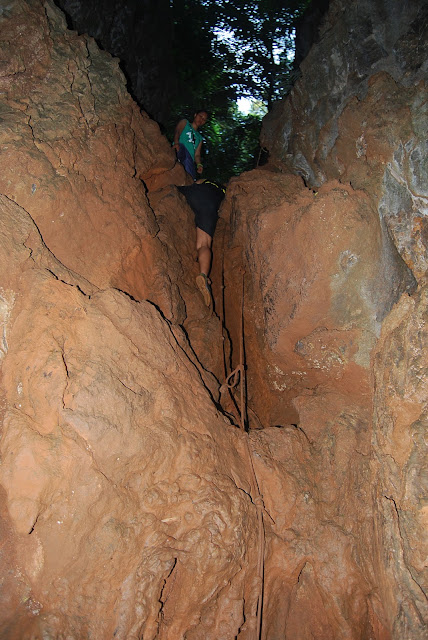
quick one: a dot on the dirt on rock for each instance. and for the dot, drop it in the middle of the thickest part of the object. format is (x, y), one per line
(128, 501)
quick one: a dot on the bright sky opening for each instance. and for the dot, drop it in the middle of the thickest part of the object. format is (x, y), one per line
(244, 105)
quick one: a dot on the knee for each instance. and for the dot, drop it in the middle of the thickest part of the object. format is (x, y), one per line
(203, 246)
(203, 240)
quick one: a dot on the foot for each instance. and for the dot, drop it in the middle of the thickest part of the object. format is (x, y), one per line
(203, 283)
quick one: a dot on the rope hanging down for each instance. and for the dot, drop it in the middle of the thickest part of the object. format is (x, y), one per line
(233, 379)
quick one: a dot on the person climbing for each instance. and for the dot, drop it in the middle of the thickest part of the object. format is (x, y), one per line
(188, 143)
(204, 197)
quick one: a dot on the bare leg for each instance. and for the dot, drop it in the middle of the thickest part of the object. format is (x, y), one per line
(203, 247)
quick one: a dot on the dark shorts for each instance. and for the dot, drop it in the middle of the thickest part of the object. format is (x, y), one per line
(184, 157)
(205, 200)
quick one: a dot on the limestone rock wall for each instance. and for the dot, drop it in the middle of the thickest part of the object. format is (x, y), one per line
(126, 30)
(81, 158)
(399, 464)
(334, 355)
(127, 504)
(62, 110)
(358, 114)
(106, 482)
(127, 509)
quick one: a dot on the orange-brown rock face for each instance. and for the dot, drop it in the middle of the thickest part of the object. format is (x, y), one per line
(121, 495)
(352, 128)
(124, 485)
(320, 276)
(128, 508)
(72, 141)
(399, 463)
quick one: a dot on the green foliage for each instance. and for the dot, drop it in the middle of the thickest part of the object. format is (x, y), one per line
(261, 44)
(223, 49)
(231, 144)
(201, 78)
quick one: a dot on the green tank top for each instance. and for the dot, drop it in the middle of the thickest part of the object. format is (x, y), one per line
(190, 138)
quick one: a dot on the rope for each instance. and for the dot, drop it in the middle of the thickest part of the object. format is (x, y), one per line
(227, 385)
(232, 379)
(237, 376)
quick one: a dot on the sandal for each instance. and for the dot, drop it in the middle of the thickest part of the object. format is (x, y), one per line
(203, 283)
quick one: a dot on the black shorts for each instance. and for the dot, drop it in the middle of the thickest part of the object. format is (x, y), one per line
(205, 200)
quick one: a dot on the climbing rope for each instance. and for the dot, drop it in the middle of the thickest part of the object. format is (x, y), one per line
(237, 376)
(231, 380)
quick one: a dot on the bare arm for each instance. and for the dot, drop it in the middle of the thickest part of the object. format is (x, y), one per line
(199, 166)
(178, 129)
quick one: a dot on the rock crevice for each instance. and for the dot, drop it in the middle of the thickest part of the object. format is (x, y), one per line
(128, 506)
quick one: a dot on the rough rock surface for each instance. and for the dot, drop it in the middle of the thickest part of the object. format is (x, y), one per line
(127, 505)
(126, 29)
(86, 405)
(61, 111)
(400, 480)
(359, 113)
(315, 320)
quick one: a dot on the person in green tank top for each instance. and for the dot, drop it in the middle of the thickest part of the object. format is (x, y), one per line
(188, 143)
